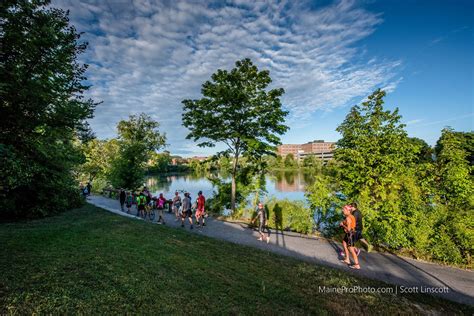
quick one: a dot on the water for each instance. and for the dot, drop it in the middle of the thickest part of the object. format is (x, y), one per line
(281, 185)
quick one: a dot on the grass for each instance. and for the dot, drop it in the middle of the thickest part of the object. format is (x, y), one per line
(91, 261)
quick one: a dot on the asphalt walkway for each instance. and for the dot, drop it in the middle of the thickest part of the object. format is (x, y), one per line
(453, 283)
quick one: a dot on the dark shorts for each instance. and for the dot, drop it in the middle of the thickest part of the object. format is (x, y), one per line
(349, 239)
(187, 213)
(141, 207)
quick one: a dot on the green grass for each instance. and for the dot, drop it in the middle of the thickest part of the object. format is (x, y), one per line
(91, 261)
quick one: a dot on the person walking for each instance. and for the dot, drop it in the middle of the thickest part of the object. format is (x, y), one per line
(141, 202)
(186, 210)
(129, 201)
(89, 188)
(358, 228)
(160, 205)
(348, 242)
(262, 217)
(122, 199)
(176, 205)
(200, 209)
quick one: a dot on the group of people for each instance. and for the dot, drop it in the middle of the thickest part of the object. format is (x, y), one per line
(182, 208)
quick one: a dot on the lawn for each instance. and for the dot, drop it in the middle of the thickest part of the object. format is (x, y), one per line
(91, 261)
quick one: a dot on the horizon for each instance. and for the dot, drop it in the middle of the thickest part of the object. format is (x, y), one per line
(328, 56)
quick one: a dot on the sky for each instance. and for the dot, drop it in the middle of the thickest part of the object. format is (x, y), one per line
(149, 55)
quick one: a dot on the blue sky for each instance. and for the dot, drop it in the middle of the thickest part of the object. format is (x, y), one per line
(147, 56)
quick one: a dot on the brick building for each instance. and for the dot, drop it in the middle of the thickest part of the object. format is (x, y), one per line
(319, 148)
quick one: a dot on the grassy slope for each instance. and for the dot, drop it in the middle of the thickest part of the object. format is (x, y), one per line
(89, 260)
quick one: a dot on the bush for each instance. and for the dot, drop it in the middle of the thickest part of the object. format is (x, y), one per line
(289, 215)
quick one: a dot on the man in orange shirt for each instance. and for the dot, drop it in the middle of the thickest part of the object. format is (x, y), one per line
(348, 242)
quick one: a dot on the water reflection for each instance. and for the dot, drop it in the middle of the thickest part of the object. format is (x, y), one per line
(279, 184)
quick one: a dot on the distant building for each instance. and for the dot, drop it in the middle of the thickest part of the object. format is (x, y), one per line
(199, 158)
(319, 148)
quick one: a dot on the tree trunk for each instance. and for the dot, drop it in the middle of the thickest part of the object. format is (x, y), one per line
(234, 184)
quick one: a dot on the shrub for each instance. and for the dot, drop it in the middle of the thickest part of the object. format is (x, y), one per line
(289, 215)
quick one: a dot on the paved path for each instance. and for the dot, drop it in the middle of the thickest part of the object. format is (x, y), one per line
(381, 266)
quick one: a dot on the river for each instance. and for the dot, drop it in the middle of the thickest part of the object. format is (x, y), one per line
(281, 184)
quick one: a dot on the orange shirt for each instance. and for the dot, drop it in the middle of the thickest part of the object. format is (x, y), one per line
(352, 224)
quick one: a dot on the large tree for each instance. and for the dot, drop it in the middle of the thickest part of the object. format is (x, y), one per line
(376, 160)
(42, 107)
(138, 138)
(239, 111)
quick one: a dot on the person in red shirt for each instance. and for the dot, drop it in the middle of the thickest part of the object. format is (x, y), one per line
(200, 209)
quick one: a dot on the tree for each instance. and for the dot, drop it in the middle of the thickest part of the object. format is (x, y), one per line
(99, 156)
(42, 108)
(376, 160)
(290, 161)
(138, 138)
(456, 181)
(159, 162)
(237, 110)
(423, 151)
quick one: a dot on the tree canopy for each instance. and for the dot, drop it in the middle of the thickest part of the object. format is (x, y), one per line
(42, 106)
(138, 138)
(237, 110)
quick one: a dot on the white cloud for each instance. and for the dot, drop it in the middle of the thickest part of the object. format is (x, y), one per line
(147, 56)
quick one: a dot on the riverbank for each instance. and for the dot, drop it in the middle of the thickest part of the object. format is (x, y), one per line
(92, 261)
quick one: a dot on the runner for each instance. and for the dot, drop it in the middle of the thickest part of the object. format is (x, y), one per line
(176, 205)
(160, 205)
(186, 210)
(122, 199)
(129, 201)
(200, 209)
(141, 201)
(359, 227)
(262, 216)
(349, 225)
(89, 188)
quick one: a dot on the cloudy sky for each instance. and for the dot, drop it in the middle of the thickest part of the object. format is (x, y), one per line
(147, 56)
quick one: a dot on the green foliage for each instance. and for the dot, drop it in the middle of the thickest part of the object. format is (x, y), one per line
(42, 109)
(99, 155)
(290, 161)
(323, 199)
(159, 162)
(289, 215)
(423, 151)
(138, 138)
(407, 199)
(237, 110)
(313, 162)
(457, 184)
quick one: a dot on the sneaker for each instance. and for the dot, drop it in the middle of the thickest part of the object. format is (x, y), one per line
(159, 223)
(260, 239)
(342, 254)
(357, 251)
(203, 224)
